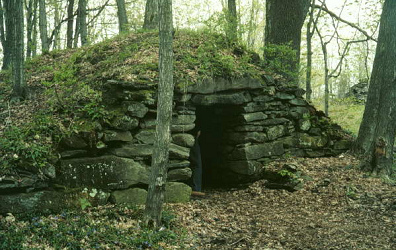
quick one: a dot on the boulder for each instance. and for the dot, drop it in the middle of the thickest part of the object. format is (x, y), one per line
(179, 174)
(304, 124)
(49, 201)
(284, 96)
(176, 192)
(131, 196)
(249, 128)
(342, 145)
(307, 141)
(105, 172)
(21, 184)
(125, 123)
(245, 137)
(183, 119)
(113, 135)
(178, 152)
(229, 98)
(252, 152)
(178, 164)
(73, 153)
(74, 141)
(182, 128)
(136, 109)
(245, 167)
(146, 136)
(276, 132)
(130, 150)
(298, 102)
(184, 140)
(251, 117)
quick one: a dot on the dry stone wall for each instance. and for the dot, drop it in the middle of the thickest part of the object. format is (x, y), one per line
(256, 121)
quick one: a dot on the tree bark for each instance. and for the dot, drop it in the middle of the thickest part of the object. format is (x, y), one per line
(8, 47)
(284, 20)
(43, 26)
(151, 15)
(155, 197)
(232, 26)
(122, 17)
(70, 21)
(377, 130)
(57, 20)
(31, 19)
(82, 17)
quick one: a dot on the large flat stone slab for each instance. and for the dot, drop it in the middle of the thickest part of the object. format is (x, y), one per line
(105, 172)
(229, 98)
(210, 86)
(253, 152)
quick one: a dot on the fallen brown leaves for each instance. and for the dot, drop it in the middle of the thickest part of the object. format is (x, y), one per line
(338, 209)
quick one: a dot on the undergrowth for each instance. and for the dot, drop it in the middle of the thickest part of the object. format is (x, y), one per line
(101, 227)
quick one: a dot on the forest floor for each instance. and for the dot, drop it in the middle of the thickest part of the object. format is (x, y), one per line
(340, 208)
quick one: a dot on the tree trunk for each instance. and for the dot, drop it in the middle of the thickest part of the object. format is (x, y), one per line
(82, 17)
(8, 48)
(70, 20)
(122, 17)
(77, 30)
(232, 17)
(377, 130)
(57, 20)
(2, 31)
(310, 33)
(151, 15)
(43, 26)
(155, 196)
(30, 24)
(16, 10)
(284, 20)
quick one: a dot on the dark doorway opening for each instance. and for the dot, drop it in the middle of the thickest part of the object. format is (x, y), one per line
(214, 123)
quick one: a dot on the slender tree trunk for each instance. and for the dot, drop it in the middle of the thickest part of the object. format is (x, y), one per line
(57, 20)
(30, 21)
(70, 20)
(8, 49)
(77, 30)
(310, 33)
(82, 17)
(19, 88)
(232, 26)
(43, 26)
(151, 15)
(155, 197)
(122, 17)
(284, 20)
(34, 31)
(377, 130)
(2, 30)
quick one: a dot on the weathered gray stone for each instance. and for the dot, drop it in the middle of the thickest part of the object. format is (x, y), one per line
(298, 112)
(22, 184)
(136, 109)
(113, 135)
(263, 98)
(178, 164)
(179, 174)
(315, 131)
(298, 102)
(245, 167)
(149, 123)
(315, 153)
(178, 152)
(232, 99)
(48, 201)
(107, 172)
(304, 124)
(145, 136)
(131, 196)
(289, 142)
(284, 96)
(176, 192)
(255, 107)
(125, 123)
(245, 137)
(271, 122)
(182, 98)
(210, 86)
(252, 152)
(183, 119)
(251, 117)
(184, 140)
(276, 132)
(249, 128)
(73, 153)
(75, 141)
(182, 128)
(342, 145)
(133, 150)
(307, 141)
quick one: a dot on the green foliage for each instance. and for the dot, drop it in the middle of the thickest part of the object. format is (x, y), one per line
(279, 59)
(28, 144)
(108, 227)
(285, 172)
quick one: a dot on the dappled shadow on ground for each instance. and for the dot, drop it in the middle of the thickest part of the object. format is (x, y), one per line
(338, 208)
